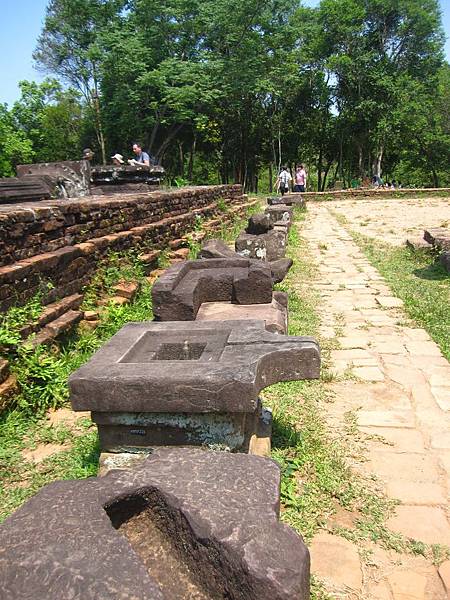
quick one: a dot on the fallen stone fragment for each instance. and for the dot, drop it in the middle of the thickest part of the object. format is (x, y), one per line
(259, 223)
(91, 315)
(8, 389)
(418, 243)
(279, 212)
(126, 289)
(186, 523)
(444, 259)
(178, 383)
(178, 294)
(439, 237)
(217, 249)
(280, 269)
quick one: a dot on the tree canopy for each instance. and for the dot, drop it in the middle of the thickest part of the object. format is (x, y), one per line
(227, 91)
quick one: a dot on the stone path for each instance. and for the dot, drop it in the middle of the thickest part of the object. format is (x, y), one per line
(399, 386)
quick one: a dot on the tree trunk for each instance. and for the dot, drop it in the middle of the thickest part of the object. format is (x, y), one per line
(270, 178)
(181, 158)
(360, 161)
(191, 158)
(319, 170)
(377, 162)
(325, 175)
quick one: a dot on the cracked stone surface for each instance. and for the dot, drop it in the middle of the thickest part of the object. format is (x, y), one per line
(185, 524)
(399, 390)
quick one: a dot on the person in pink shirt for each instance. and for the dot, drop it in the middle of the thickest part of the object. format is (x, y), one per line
(300, 179)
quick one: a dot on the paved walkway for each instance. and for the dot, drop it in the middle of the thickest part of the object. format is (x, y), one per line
(401, 394)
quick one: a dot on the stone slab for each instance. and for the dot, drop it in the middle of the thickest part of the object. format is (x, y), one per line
(206, 366)
(336, 561)
(424, 523)
(184, 524)
(274, 315)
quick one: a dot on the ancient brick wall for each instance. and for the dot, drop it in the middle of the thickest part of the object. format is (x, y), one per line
(61, 241)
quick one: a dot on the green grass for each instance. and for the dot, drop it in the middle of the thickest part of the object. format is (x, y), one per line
(419, 280)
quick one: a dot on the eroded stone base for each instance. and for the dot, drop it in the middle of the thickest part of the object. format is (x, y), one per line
(140, 432)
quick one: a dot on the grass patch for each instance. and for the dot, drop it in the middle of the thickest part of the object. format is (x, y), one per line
(419, 280)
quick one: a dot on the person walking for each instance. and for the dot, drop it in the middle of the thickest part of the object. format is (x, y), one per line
(300, 179)
(283, 179)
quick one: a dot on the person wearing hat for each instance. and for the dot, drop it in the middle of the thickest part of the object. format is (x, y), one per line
(117, 159)
(88, 154)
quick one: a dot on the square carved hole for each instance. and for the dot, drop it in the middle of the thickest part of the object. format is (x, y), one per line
(180, 351)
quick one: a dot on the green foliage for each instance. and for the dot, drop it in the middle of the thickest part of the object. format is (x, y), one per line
(16, 318)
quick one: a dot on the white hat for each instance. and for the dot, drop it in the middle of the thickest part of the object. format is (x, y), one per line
(119, 157)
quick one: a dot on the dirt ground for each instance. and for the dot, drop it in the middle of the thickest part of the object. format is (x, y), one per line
(393, 220)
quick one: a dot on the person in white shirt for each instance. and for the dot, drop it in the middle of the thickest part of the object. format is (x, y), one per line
(283, 179)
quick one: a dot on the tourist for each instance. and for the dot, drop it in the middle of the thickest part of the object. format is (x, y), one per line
(283, 179)
(117, 160)
(88, 154)
(142, 158)
(300, 179)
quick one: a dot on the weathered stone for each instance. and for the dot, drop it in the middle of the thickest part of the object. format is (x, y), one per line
(90, 315)
(418, 243)
(439, 237)
(179, 292)
(280, 269)
(216, 249)
(126, 289)
(184, 524)
(444, 259)
(259, 223)
(194, 383)
(279, 212)
(67, 179)
(268, 246)
(274, 315)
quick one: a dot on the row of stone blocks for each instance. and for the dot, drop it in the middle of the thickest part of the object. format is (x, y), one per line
(185, 523)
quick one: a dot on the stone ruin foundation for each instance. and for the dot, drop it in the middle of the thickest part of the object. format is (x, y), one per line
(181, 384)
(187, 524)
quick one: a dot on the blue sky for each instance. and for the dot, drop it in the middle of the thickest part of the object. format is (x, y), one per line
(21, 24)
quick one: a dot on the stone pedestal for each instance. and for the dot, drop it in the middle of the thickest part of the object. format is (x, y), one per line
(194, 383)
